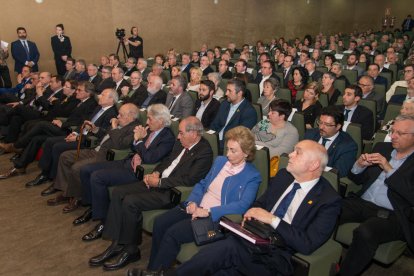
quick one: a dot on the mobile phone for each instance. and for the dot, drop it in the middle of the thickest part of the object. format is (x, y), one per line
(139, 173)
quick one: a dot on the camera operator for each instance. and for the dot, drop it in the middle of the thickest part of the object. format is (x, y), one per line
(136, 44)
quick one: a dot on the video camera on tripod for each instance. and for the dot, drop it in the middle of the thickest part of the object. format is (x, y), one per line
(120, 35)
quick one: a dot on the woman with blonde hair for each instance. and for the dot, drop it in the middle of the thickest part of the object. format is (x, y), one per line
(195, 79)
(309, 104)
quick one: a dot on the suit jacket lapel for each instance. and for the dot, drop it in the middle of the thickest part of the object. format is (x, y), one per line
(310, 200)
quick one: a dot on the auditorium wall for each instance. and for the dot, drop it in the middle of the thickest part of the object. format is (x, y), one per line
(185, 24)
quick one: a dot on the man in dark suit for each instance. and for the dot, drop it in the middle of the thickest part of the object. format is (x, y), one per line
(130, 66)
(205, 65)
(24, 52)
(302, 222)
(12, 94)
(265, 74)
(223, 70)
(310, 66)
(151, 145)
(135, 91)
(206, 106)
(380, 60)
(341, 147)
(186, 65)
(374, 71)
(188, 163)
(287, 69)
(29, 143)
(235, 111)
(118, 78)
(408, 24)
(384, 205)
(355, 113)
(367, 85)
(241, 68)
(70, 73)
(178, 101)
(94, 77)
(106, 81)
(154, 93)
(142, 68)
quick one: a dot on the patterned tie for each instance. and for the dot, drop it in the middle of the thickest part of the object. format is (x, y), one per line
(346, 114)
(149, 139)
(285, 203)
(26, 49)
(171, 104)
(97, 115)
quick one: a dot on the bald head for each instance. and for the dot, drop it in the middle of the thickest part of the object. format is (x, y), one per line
(127, 114)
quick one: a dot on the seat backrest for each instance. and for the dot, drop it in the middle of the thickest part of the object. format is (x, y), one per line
(254, 91)
(351, 75)
(259, 111)
(340, 85)
(142, 116)
(285, 94)
(174, 126)
(388, 76)
(223, 84)
(393, 110)
(323, 99)
(380, 89)
(371, 105)
(394, 69)
(298, 120)
(379, 137)
(167, 74)
(354, 130)
(262, 163)
(322, 69)
(299, 94)
(213, 139)
(193, 94)
(399, 90)
(280, 75)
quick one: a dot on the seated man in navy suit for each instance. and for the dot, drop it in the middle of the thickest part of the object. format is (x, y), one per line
(341, 147)
(235, 111)
(301, 207)
(374, 71)
(356, 113)
(384, 205)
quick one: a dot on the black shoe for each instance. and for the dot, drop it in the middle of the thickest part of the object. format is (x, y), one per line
(40, 179)
(123, 259)
(87, 215)
(49, 190)
(110, 252)
(15, 157)
(96, 233)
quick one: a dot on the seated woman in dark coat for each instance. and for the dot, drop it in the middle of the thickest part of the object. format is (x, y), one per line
(309, 104)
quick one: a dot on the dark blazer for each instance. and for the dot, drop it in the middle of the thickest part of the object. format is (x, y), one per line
(398, 99)
(44, 100)
(379, 99)
(129, 72)
(400, 188)
(20, 56)
(159, 97)
(310, 113)
(187, 70)
(82, 76)
(334, 98)
(207, 71)
(227, 75)
(313, 222)
(159, 148)
(70, 75)
(104, 121)
(209, 113)
(62, 109)
(192, 167)
(145, 73)
(122, 84)
(342, 152)
(82, 112)
(245, 115)
(96, 80)
(104, 84)
(381, 80)
(365, 118)
(136, 94)
(259, 77)
(183, 106)
(316, 75)
(61, 48)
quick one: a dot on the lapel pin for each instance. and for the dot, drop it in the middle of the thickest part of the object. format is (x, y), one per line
(310, 202)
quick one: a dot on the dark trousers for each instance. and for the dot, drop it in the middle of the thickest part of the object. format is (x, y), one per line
(232, 256)
(52, 149)
(372, 231)
(29, 153)
(171, 229)
(17, 117)
(60, 66)
(5, 80)
(124, 220)
(42, 128)
(97, 177)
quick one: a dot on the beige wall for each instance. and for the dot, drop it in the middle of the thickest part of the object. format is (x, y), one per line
(185, 24)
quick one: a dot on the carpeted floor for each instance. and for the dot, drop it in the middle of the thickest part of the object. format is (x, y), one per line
(36, 239)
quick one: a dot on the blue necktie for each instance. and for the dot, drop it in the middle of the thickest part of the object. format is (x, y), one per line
(97, 115)
(324, 141)
(285, 203)
(26, 49)
(346, 114)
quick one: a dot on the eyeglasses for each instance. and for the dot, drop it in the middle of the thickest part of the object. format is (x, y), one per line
(364, 85)
(320, 123)
(398, 133)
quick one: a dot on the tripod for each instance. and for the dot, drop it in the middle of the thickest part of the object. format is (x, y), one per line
(124, 50)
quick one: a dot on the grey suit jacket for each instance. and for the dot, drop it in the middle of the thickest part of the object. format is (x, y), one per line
(182, 107)
(378, 98)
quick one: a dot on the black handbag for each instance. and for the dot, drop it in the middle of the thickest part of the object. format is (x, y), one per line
(206, 231)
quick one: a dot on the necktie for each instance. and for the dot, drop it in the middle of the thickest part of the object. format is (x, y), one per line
(26, 49)
(324, 141)
(97, 115)
(171, 104)
(346, 114)
(148, 142)
(285, 203)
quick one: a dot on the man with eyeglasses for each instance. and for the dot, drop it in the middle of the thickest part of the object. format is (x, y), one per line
(266, 73)
(368, 93)
(223, 70)
(408, 74)
(341, 147)
(384, 205)
(241, 68)
(106, 81)
(93, 75)
(135, 91)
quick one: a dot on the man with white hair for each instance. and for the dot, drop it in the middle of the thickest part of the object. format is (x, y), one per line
(154, 93)
(142, 68)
